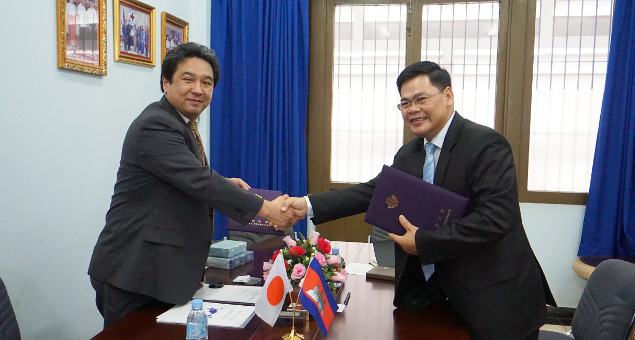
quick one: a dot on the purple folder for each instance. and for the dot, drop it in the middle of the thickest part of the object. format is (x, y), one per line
(258, 224)
(425, 205)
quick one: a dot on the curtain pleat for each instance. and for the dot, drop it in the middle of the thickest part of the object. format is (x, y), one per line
(609, 220)
(258, 110)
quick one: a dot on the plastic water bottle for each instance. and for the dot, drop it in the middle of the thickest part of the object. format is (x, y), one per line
(336, 251)
(197, 322)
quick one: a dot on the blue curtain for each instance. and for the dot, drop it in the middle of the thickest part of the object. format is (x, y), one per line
(258, 110)
(609, 221)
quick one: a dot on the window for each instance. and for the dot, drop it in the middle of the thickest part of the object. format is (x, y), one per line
(369, 53)
(572, 41)
(463, 38)
(534, 70)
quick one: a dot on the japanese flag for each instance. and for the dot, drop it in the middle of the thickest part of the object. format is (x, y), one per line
(276, 288)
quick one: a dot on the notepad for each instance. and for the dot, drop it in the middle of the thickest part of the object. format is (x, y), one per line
(229, 293)
(218, 314)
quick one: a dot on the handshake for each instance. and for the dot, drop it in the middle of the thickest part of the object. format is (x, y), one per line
(284, 211)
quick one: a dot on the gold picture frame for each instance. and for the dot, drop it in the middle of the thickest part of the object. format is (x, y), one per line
(174, 32)
(134, 32)
(81, 36)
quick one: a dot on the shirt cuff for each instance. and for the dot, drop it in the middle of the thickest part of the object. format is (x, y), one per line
(309, 211)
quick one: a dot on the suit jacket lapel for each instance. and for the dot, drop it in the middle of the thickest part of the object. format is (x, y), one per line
(164, 104)
(414, 163)
(449, 142)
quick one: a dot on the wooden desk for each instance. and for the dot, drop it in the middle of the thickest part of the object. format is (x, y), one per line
(369, 314)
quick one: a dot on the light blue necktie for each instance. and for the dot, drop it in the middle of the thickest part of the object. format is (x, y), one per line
(428, 176)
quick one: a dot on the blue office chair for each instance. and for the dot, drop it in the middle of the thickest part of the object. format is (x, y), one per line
(607, 307)
(9, 329)
(378, 234)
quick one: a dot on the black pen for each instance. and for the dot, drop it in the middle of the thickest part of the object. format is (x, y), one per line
(348, 297)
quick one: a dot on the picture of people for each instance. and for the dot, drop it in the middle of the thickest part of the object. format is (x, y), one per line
(135, 31)
(82, 33)
(173, 31)
(173, 37)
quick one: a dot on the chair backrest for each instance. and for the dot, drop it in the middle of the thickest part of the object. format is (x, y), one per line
(607, 305)
(378, 234)
(384, 253)
(9, 329)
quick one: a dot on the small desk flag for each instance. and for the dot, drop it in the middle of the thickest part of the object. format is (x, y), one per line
(275, 289)
(316, 296)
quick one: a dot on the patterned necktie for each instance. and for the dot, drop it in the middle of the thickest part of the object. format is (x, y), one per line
(194, 128)
(428, 176)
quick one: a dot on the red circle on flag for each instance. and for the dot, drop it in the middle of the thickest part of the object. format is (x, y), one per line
(275, 291)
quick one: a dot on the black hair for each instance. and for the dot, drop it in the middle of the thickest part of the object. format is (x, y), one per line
(178, 54)
(439, 77)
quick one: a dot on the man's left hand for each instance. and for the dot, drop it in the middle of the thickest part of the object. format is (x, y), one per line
(239, 182)
(407, 241)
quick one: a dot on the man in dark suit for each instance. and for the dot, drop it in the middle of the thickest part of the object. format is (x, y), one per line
(158, 229)
(482, 263)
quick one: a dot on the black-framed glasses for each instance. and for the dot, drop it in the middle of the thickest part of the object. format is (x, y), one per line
(405, 104)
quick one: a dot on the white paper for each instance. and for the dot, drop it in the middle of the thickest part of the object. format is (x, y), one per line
(358, 268)
(241, 279)
(229, 293)
(218, 314)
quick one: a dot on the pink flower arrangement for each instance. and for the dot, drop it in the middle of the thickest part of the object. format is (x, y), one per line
(298, 271)
(321, 258)
(298, 254)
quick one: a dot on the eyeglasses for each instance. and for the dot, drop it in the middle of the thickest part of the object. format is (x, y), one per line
(405, 104)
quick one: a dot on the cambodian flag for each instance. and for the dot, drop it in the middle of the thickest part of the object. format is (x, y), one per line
(316, 297)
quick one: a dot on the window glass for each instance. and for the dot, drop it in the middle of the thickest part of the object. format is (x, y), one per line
(369, 53)
(570, 59)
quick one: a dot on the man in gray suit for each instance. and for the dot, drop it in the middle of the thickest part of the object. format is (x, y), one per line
(158, 229)
(483, 265)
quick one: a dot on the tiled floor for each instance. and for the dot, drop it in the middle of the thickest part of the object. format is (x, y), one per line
(558, 319)
(556, 328)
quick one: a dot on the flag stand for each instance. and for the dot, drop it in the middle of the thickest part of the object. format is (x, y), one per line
(293, 335)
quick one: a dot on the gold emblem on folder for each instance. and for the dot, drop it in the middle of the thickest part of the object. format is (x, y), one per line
(392, 202)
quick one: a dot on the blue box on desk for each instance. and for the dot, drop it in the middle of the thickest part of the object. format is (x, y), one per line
(232, 262)
(227, 248)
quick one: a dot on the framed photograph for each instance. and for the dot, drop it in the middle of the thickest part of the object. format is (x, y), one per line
(134, 32)
(173, 32)
(81, 35)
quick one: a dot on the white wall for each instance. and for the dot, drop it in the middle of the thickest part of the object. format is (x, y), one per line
(554, 233)
(61, 134)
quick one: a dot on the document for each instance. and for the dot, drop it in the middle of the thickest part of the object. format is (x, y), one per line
(425, 205)
(258, 224)
(229, 293)
(358, 268)
(218, 314)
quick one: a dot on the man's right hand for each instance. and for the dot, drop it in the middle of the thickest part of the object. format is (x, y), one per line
(277, 214)
(296, 203)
